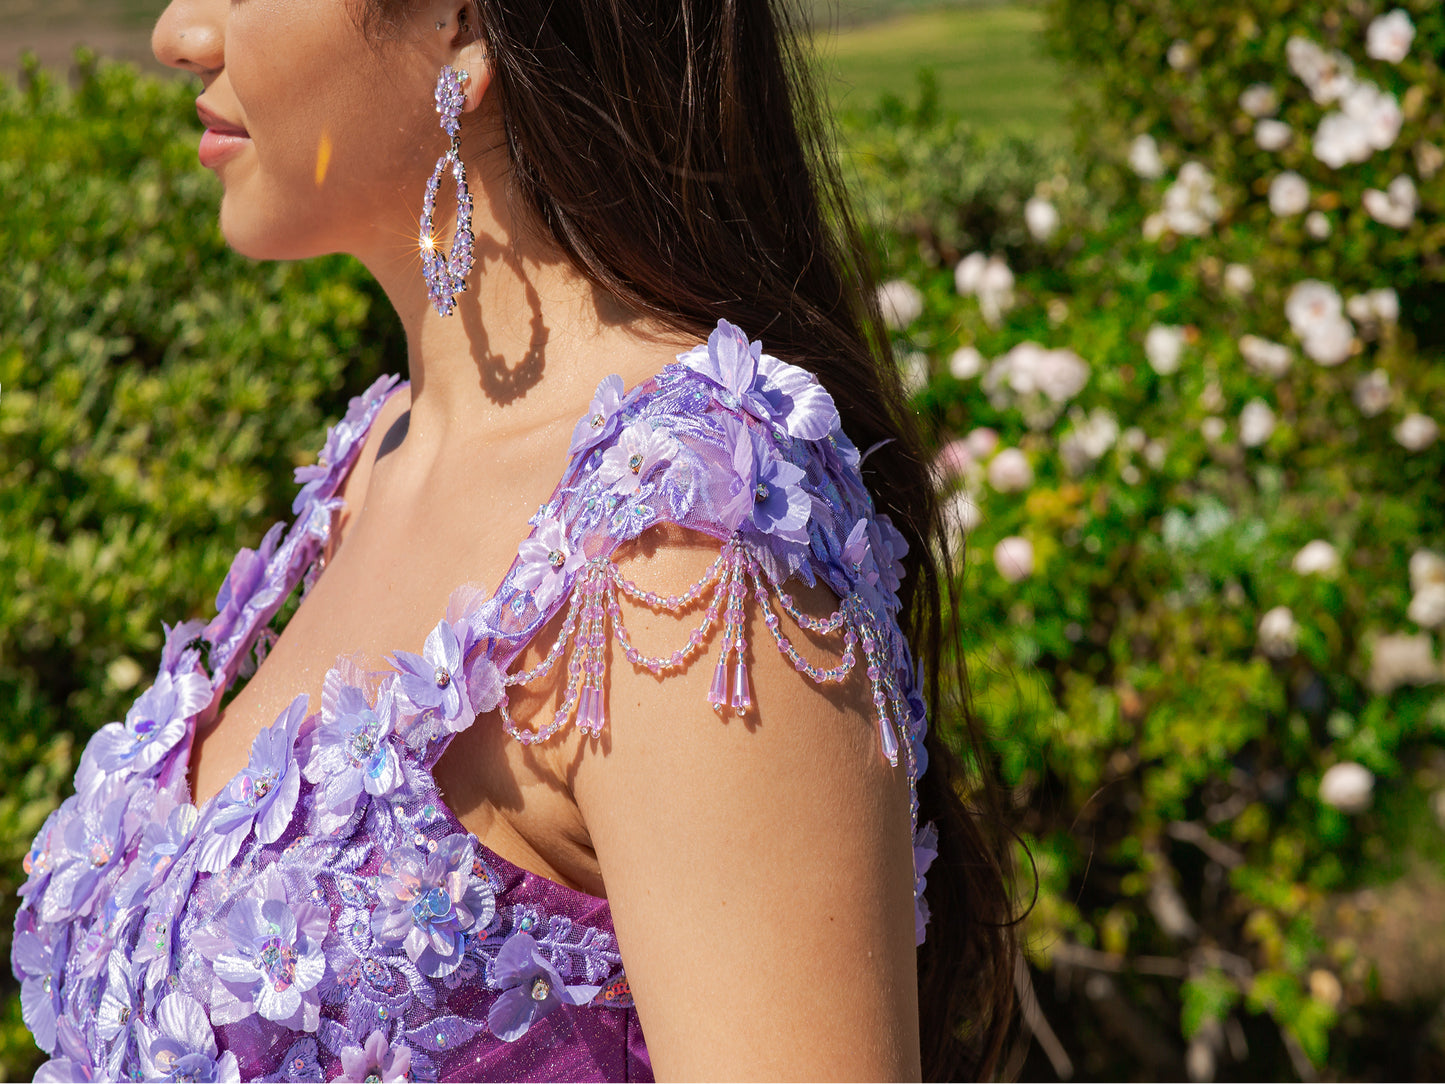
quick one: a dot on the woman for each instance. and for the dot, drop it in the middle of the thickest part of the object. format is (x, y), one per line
(662, 772)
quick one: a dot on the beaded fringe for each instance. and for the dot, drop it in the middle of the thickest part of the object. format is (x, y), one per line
(595, 604)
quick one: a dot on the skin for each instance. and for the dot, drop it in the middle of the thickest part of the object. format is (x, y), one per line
(759, 869)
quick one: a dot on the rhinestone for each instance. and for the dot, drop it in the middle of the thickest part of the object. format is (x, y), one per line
(444, 677)
(540, 989)
(441, 1038)
(45, 984)
(635, 464)
(556, 558)
(761, 493)
(597, 420)
(527, 922)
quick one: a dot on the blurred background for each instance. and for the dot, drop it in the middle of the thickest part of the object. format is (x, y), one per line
(1164, 279)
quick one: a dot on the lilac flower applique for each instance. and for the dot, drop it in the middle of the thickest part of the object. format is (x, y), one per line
(765, 489)
(263, 794)
(118, 1004)
(890, 547)
(925, 850)
(430, 901)
(247, 572)
(92, 845)
(318, 482)
(601, 418)
(275, 962)
(769, 389)
(858, 554)
(434, 683)
(547, 559)
(73, 1063)
(352, 750)
(376, 1060)
(154, 724)
(531, 988)
(161, 844)
(179, 1045)
(40, 967)
(638, 452)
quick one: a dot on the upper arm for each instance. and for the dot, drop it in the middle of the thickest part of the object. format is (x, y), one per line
(759, 868)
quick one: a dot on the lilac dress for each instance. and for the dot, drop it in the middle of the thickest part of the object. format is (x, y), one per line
(325, 915)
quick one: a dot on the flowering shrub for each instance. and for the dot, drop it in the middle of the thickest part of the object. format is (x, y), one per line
(1192, 438)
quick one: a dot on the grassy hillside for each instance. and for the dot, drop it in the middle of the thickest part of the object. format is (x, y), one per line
(988, 59)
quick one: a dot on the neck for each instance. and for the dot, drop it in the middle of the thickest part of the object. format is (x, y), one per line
(528, 340)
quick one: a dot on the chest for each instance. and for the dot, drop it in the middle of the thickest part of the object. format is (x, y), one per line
(398, 552)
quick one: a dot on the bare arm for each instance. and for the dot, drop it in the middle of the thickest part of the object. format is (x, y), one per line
(759, 868)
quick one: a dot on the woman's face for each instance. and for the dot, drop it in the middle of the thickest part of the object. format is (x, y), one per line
(322, 137)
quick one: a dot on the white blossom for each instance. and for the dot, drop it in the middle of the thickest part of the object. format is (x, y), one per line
(969, 273)
(1389, 37)
(1213, 429)
(1374, 309)
(1328, 76)
(1315, 313)
(1416, 432)
(1156, 454)
(1278, 633)
(900, 302)
(1134, 438)
(1288, 194)
(1190, 204)
(1331, 342)
(995, 290)
(1373, 394)
(1144, 157)
(1397, 660)
(1396, 206)
(1317, 225)
(1259, 100)
(1316, 558)
(1030, 369)
(1180, 56)
(1014, 558)
(1163, 346)
(1347, 786)
(1256, 423)
(966, 362)
(1265, 357)
(1272, 135)
(913, 370)
(1238, 279)
(1427, 608)
(1426, 567)
(1341, 140)
(1041, 217)
(1009, 471)
(1087, 442)
(982, 442)
(1377, 111)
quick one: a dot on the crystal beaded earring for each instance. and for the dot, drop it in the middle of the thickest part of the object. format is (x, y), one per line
(446, 272)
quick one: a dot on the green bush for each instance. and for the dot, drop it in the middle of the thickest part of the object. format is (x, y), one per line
(1203, 511)
(156, 391)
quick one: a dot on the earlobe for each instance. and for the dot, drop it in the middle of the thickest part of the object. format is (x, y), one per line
(472, 59)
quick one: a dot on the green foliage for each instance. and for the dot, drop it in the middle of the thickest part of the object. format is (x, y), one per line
(156, 391)
(1168, 677)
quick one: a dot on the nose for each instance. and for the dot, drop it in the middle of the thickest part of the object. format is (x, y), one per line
(190, 35)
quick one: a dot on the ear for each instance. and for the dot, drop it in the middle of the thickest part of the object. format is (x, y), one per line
(458, 27)
(472, 59)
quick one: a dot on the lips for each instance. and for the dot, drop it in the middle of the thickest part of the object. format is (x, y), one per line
(222, 138)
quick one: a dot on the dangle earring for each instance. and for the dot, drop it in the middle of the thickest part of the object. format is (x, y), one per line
(446, 272)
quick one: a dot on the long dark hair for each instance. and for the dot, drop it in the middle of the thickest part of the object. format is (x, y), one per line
(676, 152)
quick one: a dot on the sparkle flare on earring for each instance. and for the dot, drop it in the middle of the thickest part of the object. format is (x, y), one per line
(446, 273)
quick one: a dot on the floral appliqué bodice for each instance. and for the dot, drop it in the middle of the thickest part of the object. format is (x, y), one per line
(325, 916)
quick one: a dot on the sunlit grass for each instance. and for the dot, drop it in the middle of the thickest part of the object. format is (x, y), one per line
(989, 62)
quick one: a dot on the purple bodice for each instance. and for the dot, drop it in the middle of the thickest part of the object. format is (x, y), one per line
(325, 916)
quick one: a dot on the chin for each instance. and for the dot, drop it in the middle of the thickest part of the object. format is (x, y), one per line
(268, 237)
